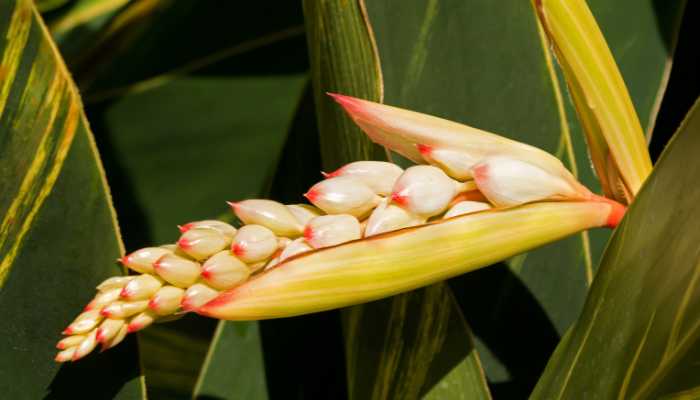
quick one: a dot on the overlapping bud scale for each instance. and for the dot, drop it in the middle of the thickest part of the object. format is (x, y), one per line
(470, 171)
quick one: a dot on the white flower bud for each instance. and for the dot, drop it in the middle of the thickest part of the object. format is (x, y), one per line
(200, 244)
(142, 260)
(390, 217)
(140, 321)
(166, 300)
(177, 271)
(108, 330)
(425, 190)
(466, 207)
(196, 296)
(70, 341)
(254, 243)
(330, 230)
(124, 309)
(224, 271)
(379, 176)
(116, 339)
(86, 346)
(457, 164)
(270, 214)
(510, 182)
(65, 355)
(219, 226)
(297, 246)
(304, 212)
(103, 298)
(84, 322)
(115, 282)
(343, 195)
(141, 288)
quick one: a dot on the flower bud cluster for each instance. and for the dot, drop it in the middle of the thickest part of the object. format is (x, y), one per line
(359, 200)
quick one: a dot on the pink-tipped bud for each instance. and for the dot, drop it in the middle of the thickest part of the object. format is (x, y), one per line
(70, 341)
(65, 355)
(196, 296)
(390, 217)
(270, 214)
(84, 323)
(118, 338)
(86, 346)
(166, 300)
(141, 288)
(297, 246)
(510, 182)
(424, 190)
(176, 270)
(124, 309)
(379, 176)
(201, 244)
(330, 230)
(103, 298)
(343, 195)
(254, 243)
(224, 271)
(142, 260)
(219, 226)
(457, 164)
(140, 321)
(108, 330)
(466, 207)
(304, 212)
(115, 282)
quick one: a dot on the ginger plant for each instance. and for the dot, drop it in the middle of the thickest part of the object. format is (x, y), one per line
(371, 231)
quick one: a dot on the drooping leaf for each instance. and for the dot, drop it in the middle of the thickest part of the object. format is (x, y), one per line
(462, 61)
(642, 317)
(343, 60)
(58, 236)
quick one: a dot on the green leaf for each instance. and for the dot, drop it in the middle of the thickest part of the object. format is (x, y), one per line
(343, 59)
(460, 61)
(642, 318)
(58, 236)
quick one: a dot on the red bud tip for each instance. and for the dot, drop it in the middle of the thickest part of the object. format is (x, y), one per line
(233, 205)
(184, 244)
(206, 274)
(480, 173)
(399, 199)
(156, 264)
(424, 149)
(68, 331)
(185, 228)
(125, 293)
(105, 313)
(58, 358)
(60, 346)
(153, 304)
(124, 260)
(186, 305)
(88, 307)
(617, 211)
(350, 104)
(312, 195)
(99, 335)
(132, 327)
(238, 249)
(308, 233)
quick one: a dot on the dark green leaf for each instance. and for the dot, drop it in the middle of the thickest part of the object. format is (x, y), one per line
(58, 237)
(642, 318)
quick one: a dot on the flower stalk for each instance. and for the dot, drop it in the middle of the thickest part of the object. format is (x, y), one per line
(374, 230)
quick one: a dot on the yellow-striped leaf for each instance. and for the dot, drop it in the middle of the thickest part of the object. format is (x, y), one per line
(58, 234)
